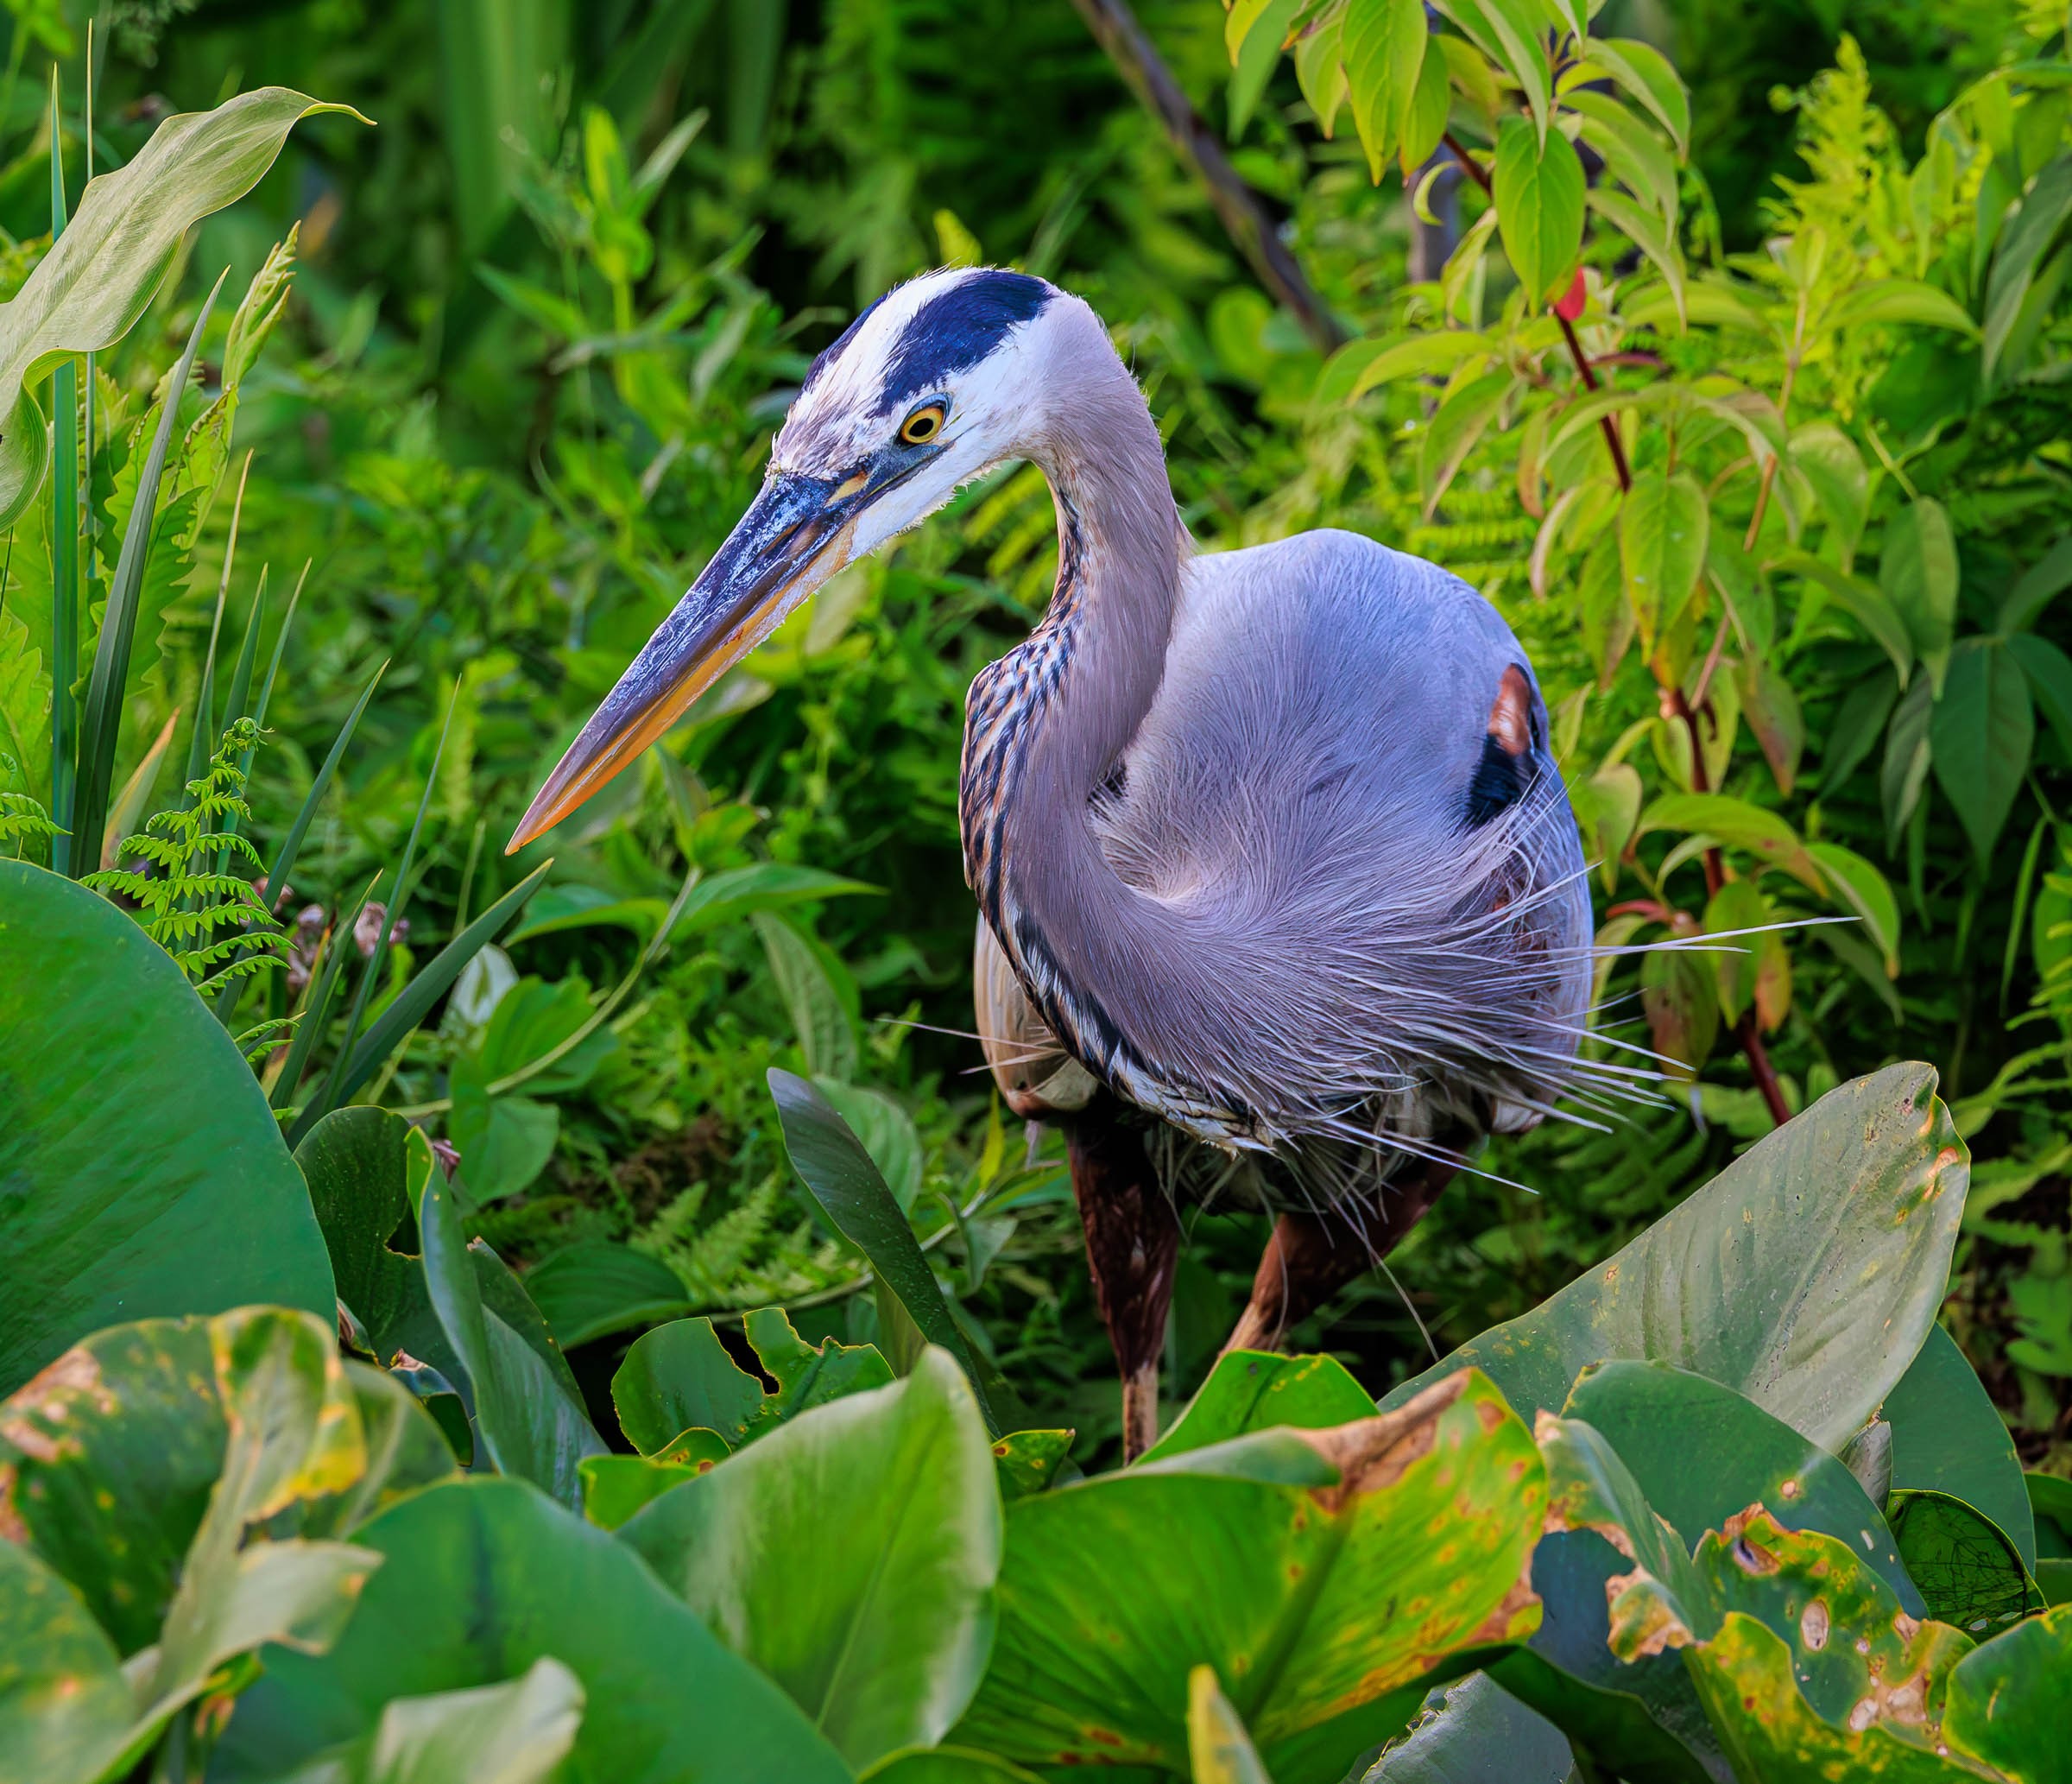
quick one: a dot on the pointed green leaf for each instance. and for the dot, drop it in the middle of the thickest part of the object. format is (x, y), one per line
(1539, 191)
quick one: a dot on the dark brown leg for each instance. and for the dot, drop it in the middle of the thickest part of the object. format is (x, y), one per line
(1132, 1241)
(1311, 1256)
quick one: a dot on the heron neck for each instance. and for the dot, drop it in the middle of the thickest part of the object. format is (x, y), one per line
(1048, 725)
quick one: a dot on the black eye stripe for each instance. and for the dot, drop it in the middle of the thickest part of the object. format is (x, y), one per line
(1501, 780)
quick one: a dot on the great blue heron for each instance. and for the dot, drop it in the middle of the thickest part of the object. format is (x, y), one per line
(1268, 844)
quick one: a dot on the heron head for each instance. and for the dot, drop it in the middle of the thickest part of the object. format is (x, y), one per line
(935, 383)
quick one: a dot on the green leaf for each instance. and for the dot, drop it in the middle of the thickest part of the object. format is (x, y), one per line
(1539, 189)
(847, 1189)
(2040, 585)
(1733, 821)
(1510, 33)
(1702, 1453)
(1476, 1732)
(1979, 735)
(595, 1288)
(1805, 1275)
(1771, 708)
(101, 275)
(2010, 1699)
(1898, 300)
(1867, 605)
(1647, 232)
(1382, 43)
(515, 1733)
(1947, 1437)
(2020, 250)
(1453, 433)
(1867, 892)
(1918, 572)
(1272, 1582)
(1905, 771)
(726, 898)
(679, 1376)
(1632, 152)
(1256, 1391)
(616, 1487)
(1645, 73)
(1421, 355)
(1968, 1569)
(2048, 672)
(108, 684)
(1026, 1462)
(483, 1578)
(1220, 1749)
(1750, 971)
(175, 1195)
(1256, 54)
(1663, 524)
(531, 1420)
(64, 1705)
(851, 1555)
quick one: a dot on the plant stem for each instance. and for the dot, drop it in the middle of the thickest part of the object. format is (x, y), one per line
(1241, 211)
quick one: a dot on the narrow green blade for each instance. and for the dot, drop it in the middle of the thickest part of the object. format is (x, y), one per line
(64, 554)
(416, 999)
(100, 731)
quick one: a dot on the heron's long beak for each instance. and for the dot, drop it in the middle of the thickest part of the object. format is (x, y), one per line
(793, 537)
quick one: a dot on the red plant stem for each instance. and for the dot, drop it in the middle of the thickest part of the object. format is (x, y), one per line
(1744, 1031)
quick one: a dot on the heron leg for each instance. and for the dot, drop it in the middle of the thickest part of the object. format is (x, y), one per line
(1133, 1240)
(1311, 1256)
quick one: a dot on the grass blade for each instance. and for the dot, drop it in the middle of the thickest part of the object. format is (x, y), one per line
(378, 960)
(64, 556)
(316, 1006)
(291, 844)
(845, 1185)
(413, 1003)
(240, 692)
(201, 745)
(100, 731)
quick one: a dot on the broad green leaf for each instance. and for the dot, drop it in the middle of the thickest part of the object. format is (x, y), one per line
(725, 898)
(2020, 251)
(1805, 1275)
(1378, 41)
(101, 275)
(1424, 113)
(1631, 150)
(1647, 232)
(65, 1707)
(1802, 1656)
(1256, 53)
(1453, 433)
(1607, 806)
(845, 1186)
(1771, 708)
(1026, 1462)
(1701, 1453)
(1905, 771)
(2010, 1699)
(1681, 1006)
(1510, 33)
(1750, 971)
(1320, 69)
(1476, 1732)
(1643, 1707)
(1868, 606)
(1947, 1437)
(1644, 73)
(175, 1196)
(886, 1131)
(1733, 821)
(1827, 458)
(2040, 585)
(1979, 735)
(1867, 892)
(1420, 356)
(2048, 672)
(616, 1487)
(1898, 300)
(483, 1578)
(1540, 190)
(679, 1376)
(949, 1765)
(594, 1288)
(1220, 1749)
(825, 1028)
(530, 1418)
(1273, 1583)
(1256, 1391)
(1918, 574)
(513, 1733)
(1968, 1569)
(851, 1555)
(1661, 530)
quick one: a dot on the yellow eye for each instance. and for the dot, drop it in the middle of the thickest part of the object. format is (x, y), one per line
(922, 425)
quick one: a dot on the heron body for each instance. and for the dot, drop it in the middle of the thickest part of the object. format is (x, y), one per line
(1266, 843)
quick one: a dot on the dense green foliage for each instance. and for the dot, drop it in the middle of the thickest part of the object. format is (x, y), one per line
(1749, 422)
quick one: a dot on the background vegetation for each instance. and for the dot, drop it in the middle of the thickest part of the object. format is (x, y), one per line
(543, 317)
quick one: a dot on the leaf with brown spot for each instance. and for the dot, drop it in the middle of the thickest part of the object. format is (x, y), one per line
(1113, 1588)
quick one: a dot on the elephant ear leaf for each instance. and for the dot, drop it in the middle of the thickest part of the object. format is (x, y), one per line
(102, 272)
